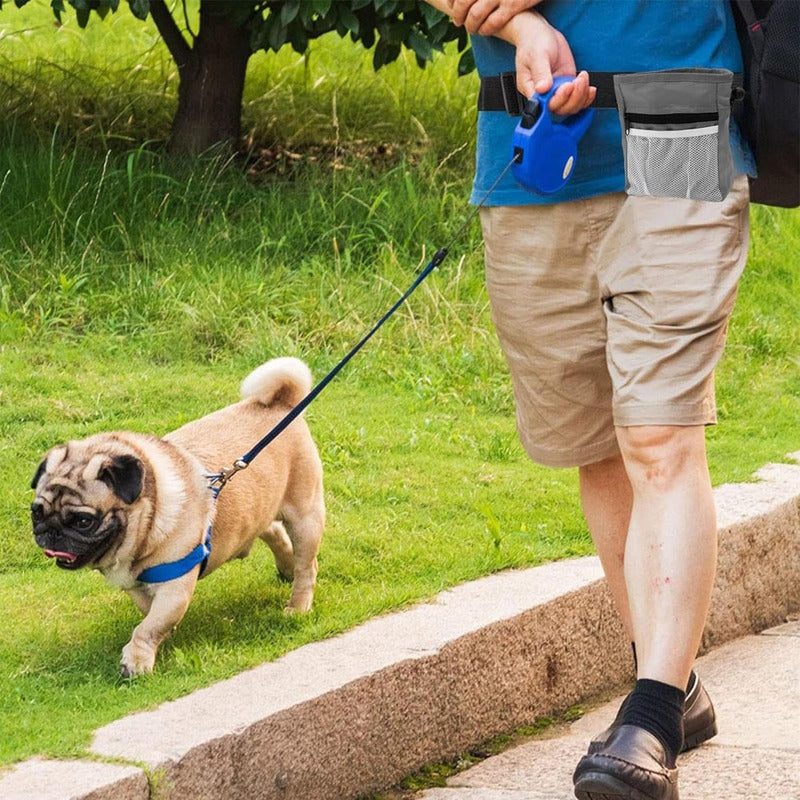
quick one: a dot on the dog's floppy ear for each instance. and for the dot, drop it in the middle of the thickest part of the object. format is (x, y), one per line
(123, 475)
(39, 472)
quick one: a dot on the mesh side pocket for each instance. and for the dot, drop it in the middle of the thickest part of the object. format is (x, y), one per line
(675, 132)
(673, 163)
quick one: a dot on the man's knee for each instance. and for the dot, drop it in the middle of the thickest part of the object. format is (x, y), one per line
(656, 455)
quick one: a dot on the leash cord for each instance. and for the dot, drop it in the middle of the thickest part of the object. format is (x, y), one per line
(226, 473)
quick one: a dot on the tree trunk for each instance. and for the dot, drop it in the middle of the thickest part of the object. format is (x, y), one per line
(212, 75)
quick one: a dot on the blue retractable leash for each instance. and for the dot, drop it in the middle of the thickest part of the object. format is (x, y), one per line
(546, 147)
(544, 153)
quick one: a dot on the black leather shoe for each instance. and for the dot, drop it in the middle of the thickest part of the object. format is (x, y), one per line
(632, 765)
(699, 720)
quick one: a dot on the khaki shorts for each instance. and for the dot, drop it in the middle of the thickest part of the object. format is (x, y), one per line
(612, 311)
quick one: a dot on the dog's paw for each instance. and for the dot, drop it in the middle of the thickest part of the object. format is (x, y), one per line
(136, 661)
(127, 670)
(295, 608)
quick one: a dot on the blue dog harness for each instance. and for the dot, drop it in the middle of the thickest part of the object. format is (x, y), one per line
(161, 573)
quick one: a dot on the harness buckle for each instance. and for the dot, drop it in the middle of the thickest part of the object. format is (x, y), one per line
(512, 99)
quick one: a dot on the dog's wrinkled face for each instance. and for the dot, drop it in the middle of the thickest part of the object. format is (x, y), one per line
(80, 509)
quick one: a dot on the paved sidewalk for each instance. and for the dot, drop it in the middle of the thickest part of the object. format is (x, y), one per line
(754, 683)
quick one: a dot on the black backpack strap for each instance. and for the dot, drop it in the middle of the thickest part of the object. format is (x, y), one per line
(499, 92)
(752, 23)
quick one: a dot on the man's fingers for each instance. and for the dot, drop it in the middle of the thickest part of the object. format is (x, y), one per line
(472, 13)
(496, 16)
(486, 17)
(458, 11)
(567, 100)
(530, 83)
(570, 98)
(493, 24)
(542, 75)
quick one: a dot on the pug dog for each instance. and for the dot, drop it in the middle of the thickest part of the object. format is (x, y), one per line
(124, 502)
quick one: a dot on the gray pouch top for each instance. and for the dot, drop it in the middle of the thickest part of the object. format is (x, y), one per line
(675, 91)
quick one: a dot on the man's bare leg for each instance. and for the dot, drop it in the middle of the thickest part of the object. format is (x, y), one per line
(671, 549)
(607, 499)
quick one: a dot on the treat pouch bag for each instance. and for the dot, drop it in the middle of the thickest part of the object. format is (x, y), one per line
(675, 132)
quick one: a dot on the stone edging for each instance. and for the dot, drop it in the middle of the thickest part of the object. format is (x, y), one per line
(341, 718)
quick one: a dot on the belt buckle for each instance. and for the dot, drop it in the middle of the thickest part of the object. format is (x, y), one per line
(512, 99)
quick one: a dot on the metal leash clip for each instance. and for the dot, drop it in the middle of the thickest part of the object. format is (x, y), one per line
(216, 480)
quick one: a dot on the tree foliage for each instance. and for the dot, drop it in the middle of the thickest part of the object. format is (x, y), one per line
(388, 25)
(212, 62)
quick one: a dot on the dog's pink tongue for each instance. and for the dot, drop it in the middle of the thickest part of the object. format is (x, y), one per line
(70, 557)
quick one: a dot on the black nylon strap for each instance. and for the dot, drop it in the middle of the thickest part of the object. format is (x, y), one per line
(499, 92)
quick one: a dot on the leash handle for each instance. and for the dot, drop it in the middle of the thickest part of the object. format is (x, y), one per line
(219, 479)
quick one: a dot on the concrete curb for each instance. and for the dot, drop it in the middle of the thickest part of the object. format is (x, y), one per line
(345, 717)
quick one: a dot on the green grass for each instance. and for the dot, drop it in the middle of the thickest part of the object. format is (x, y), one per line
(424, 490)
(136, 293)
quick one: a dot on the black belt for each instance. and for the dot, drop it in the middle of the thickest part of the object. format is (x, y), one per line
(499, 92)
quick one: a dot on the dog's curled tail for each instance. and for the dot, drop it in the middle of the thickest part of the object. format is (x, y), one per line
(282, 380)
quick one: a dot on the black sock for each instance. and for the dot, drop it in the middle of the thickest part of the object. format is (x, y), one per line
(692, 675)
(658, 708)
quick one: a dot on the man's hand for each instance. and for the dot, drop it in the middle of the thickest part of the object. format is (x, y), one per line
(487, 17)
(543, 52)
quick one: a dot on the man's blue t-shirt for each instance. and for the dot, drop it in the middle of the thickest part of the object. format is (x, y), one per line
(606, 36)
